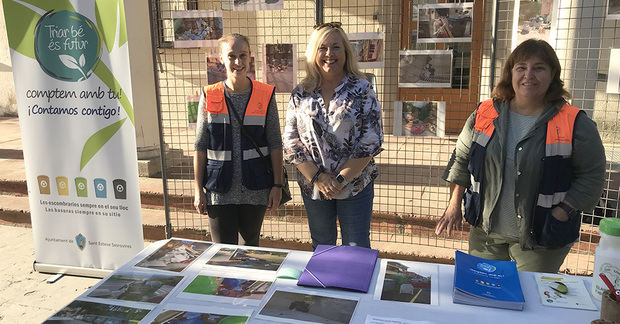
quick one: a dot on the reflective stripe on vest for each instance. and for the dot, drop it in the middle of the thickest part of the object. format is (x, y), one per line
(483, 130)
(559, 143)
(252, 154)
(220, 143)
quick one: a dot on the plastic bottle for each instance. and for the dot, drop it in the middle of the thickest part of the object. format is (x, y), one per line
(607, 257)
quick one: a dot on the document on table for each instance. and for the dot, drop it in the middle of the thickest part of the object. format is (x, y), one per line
(562, 291)
(370, 319)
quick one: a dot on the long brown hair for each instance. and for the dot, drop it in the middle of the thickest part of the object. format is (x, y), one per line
(532, 47)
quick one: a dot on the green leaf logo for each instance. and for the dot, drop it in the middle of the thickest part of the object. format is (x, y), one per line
(67, 45)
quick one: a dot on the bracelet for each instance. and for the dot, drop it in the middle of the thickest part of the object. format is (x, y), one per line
(316, 175)
(277, 185)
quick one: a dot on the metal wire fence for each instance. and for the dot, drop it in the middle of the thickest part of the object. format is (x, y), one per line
(409, 193)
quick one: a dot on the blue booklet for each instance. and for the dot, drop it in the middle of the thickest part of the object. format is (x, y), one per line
(489, 283)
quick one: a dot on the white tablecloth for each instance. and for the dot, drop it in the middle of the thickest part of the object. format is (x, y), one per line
(444, 312)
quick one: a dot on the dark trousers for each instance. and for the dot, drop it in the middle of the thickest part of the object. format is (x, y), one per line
(228, 221)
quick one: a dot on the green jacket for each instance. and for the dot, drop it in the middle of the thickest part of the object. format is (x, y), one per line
(588, 163)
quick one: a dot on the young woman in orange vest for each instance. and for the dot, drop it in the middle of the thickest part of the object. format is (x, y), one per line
(333, 131)
(233, 183)
(527, 163)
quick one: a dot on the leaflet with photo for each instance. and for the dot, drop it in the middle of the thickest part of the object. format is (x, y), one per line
(305, 306)
(136, 287)
(249, 258)
(187, 313)
(79, 311)
(408, 282)
(236, 288)
(175, 255)
(563, 291)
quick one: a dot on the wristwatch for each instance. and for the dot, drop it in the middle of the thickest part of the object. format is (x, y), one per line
(341, 179)
(572, 212)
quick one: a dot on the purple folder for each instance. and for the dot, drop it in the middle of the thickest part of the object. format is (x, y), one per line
(347, 267)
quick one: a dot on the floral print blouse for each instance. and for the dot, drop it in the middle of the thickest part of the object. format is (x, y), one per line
(348, 127)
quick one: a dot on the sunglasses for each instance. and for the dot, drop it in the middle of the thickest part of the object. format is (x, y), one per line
(333, 24)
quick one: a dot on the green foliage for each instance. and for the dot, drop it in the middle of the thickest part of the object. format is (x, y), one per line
(97, 140)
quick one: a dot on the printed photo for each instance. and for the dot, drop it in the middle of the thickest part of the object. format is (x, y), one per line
(88, 312)
(533, 19)
(403, 284)
(369, 49)
(280, 66)
(192, 116)
(150, 288)
(176, 255)
(445, 23)
(613, 9)
(419, 118)
(613, 75)
(197, 28)
(252, 5)
(296, 307)
(248, 258)
(183, 317)
(228, 287)
(216, 71)
(425, 69)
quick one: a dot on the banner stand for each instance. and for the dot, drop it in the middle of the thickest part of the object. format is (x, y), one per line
(70, 63)
(69, 270)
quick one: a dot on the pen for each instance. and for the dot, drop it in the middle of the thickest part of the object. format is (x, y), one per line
(614, 293)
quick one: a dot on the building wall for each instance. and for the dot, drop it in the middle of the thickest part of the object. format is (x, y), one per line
(8, 105)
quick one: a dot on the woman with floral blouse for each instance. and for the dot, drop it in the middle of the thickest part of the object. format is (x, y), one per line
(333, 130)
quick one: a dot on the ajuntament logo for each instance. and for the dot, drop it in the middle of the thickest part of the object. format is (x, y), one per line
(80, 240)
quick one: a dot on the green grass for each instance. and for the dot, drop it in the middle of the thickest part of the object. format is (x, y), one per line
(205, 285)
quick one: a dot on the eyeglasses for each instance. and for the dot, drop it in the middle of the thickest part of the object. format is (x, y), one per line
(333, 24)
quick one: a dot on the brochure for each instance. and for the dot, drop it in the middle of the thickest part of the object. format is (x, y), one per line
(561, 291)
(489, 283)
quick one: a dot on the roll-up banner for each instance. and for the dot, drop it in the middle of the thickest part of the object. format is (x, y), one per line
(72, 83)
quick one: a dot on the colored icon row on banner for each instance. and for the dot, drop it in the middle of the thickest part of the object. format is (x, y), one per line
(81, 187)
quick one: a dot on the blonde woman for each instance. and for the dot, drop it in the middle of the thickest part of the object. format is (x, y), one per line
(233, 183)
(333, 130)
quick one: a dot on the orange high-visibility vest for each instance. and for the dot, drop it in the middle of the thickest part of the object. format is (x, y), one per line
(218, 172)
(555, 180)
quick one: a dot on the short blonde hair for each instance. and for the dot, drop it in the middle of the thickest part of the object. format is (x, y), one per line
(313, 76)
